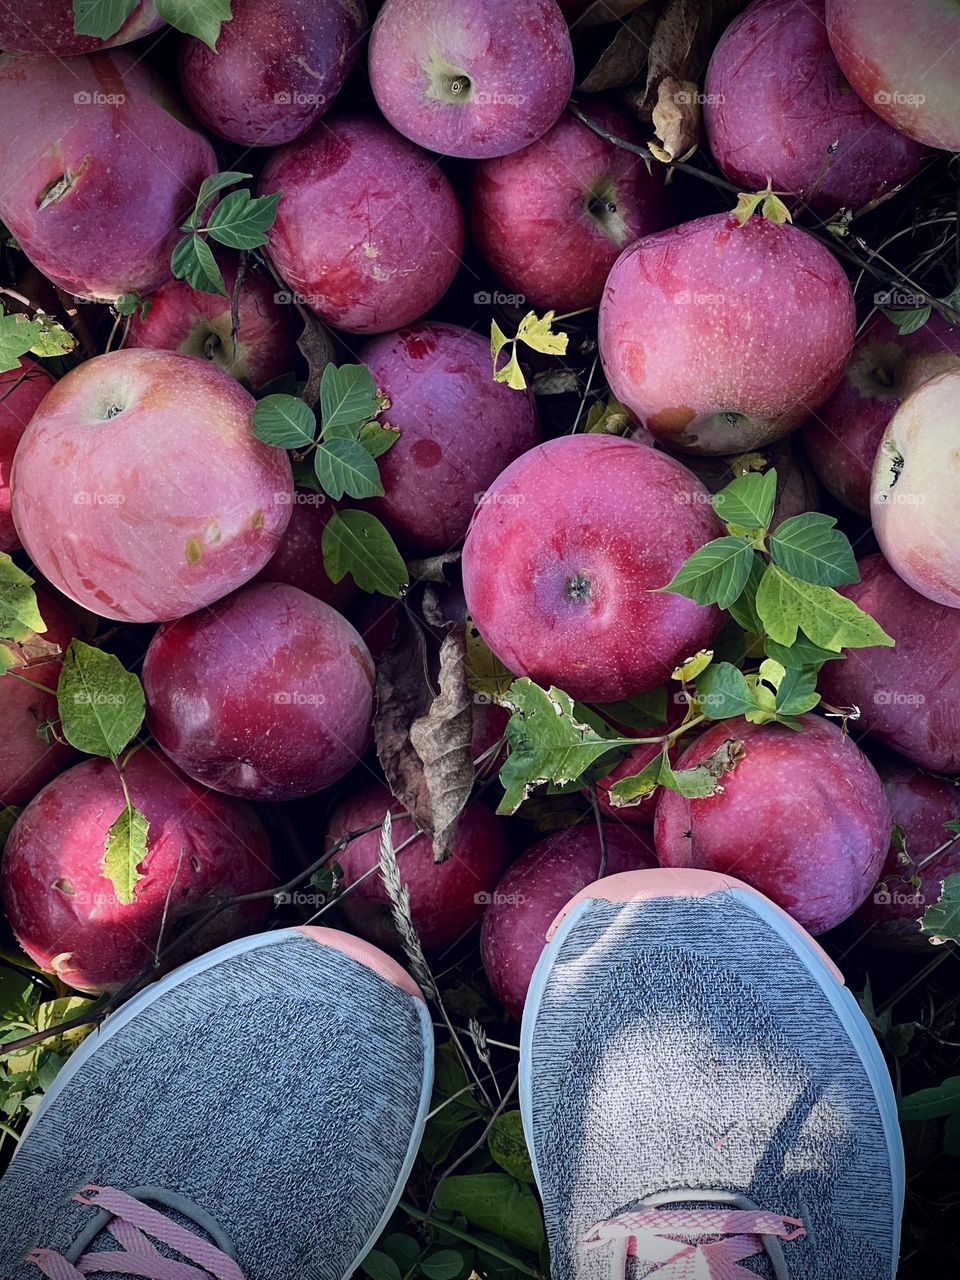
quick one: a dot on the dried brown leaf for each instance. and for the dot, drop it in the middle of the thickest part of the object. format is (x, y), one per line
(603, 11)
(676, 119)
(623, 60)
(683, 40)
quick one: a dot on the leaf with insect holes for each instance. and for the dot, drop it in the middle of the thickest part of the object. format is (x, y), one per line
(548, 743)
(749, 500)
(377, 440)
(941, 920)
(357, 543)
(100, 703)
(786, 605)
(908, 319)
(17, 337)
(209, 188)
(285, 422)
(344, 466)
(723, 692)
(348, 398)
(19, 612)
(54, 340)
(194, 262)
(200, 18)
(810, 547)
(241, 221)
(537, 332)
(124, 851)
(101, 18)
(715, 574)
(697, 783)
(690, 669)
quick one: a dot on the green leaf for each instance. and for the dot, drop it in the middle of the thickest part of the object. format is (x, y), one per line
(537, 332)
(377, 440)
(54, 340)
(344, 466)
(284, 421)
(380, 1266)
(210, 187)
(749, 500)
(548, 743)
(403, 1249)
(715, 574)
(831, 621)
(628, 791)
(17, 336)
(194, 262)
(100, 703)
(703, 779)
(495, 1202)
(723, 692)
(486, 674)
(802, 653)
(101, 18)
(908, 319)
(445, 1264)
(931, 1104)
(641, 711)
(8, 816)
(19, 614)
(797, 691)
(128, 303)
(357, 543)
(125, 850)
(498, 340)
(200, 18)
(810, 548)
(689, 670)
(242, 221)
(508, 1146)
(744, 610)
(941, 920)
(348, 398)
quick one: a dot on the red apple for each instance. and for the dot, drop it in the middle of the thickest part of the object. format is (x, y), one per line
(721, 338)
(140, 491)
(446, 901)
(181, 318)
(802, 817)
(27, 761)
(915, 490)
(99, 172)
(267, 695)
(842, 437)
(565, 557)
(458, 430)
(920, 805)
(66, 914)
(475, 78)
(905, 63)
(777, 107)
(369, 232)
(21, 391)
(278, 66)
(909, 696)
(298, 561)
(534, 891)
(797, 488)
(47, 27)
(552, 219)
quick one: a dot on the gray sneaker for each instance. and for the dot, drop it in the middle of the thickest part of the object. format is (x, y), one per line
(252, 1116)
(699, 1090)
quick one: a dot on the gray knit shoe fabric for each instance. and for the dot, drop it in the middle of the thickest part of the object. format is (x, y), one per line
(696, 1052)
(273, 1092)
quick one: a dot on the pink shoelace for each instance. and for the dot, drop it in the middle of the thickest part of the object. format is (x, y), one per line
(130, 1225)
(667, 1239)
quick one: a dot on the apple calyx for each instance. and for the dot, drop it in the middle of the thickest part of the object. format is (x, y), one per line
(446, 82)
(578, 588)
(601, 206)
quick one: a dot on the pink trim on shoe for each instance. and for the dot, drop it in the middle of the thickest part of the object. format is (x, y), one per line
(674, 882)
(364, 953)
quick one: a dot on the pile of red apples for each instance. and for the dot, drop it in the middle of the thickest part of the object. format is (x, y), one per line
(426, 162)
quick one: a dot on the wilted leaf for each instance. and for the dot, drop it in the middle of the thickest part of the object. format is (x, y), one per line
(603, 11)
(683, 40)
(676, 119)
(623, 61)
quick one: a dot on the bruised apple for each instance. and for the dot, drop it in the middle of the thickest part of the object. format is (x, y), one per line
(21, 391)
(721, 338)
(446, 901)
(99, 172)
(565, 557)
(267, 694)
(140, 490)
(802, 817)
(28, 760)
(458, 430)
(67, 915)
(537, 887)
